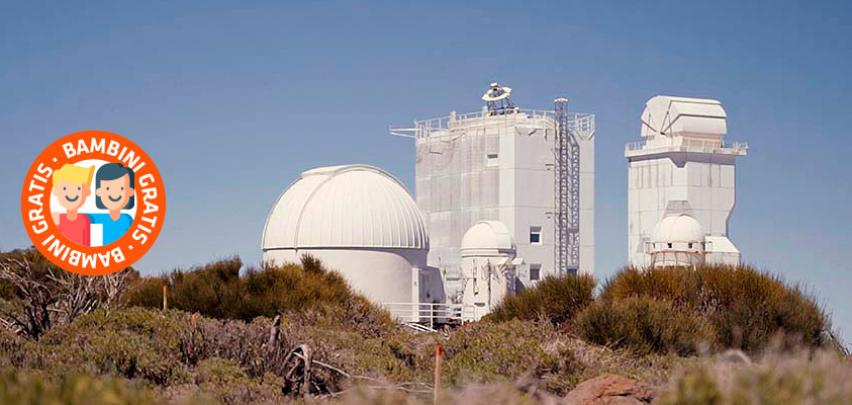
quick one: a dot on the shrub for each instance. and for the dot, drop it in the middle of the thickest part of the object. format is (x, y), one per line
(75, 389)
(644, 325)
(746, 307)
(474, 394)
(308, 291)
(35, 295)
(800, 378)
(227, 382)
(133, 343)
(556, 299)
(486, 351)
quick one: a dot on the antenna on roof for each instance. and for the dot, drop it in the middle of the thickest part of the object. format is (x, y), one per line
(498, 99)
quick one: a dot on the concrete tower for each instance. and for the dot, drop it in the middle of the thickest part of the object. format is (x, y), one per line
(498, 164)
(681, 184)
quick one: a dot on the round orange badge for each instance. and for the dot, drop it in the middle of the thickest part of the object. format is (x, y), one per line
(93, 202)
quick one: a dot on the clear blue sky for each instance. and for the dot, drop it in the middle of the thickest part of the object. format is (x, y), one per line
(234, 101)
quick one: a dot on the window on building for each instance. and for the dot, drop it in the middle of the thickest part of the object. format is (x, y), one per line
(535, 235)
(492, 159)
(535, 272)
(670, 245)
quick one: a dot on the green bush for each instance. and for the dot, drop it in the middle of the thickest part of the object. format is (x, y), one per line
(74, 389)
(746, 307)
(555, 299)
(644, 325)
(487, 351)
(308, 291)
(132, 343)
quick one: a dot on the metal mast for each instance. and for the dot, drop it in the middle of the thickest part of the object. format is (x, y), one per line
(566, 192)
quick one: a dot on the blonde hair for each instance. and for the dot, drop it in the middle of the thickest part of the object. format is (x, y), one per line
(73, 174)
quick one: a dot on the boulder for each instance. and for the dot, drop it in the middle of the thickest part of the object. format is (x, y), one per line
(609, 389)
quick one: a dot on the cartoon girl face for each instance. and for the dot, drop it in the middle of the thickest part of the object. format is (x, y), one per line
(115, 194)
(114, 187)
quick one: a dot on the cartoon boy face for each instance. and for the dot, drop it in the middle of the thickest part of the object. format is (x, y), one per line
(71, 186)
(71, 195)
(115, 194)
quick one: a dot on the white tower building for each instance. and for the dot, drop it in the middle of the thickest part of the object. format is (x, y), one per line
(488, 256)
(360, 221)
(499, 164)
(681, 184)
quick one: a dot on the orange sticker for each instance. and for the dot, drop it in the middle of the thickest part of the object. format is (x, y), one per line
(93, 202)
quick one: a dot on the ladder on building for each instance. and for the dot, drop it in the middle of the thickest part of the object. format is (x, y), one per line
(566, 192)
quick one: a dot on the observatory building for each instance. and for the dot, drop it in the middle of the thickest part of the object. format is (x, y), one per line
(681, 185)
(505, 197)
(360, 221)
(488, 255)
(531, 170)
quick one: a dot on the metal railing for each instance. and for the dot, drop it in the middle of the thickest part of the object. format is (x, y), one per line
(733, 147)
(582, 123)
(430, 314)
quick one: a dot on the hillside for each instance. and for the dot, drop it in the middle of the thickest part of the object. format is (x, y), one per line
(699, 336)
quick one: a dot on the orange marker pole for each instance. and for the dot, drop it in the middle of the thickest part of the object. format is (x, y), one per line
(439, 353)
(165, 299)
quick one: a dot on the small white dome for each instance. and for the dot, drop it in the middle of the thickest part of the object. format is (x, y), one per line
(345, 206)
(678, 228)
(487, 237)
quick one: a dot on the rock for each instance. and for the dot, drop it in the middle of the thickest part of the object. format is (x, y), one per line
(609, 389)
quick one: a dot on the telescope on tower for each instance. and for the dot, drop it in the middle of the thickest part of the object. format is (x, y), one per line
(498, 100)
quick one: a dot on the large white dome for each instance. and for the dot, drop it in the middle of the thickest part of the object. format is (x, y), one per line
(345, 206)
(678, 228)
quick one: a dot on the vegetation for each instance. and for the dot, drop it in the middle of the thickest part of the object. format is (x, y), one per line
(218, 290)
(74, 389)
(745, 307)
(487, 352)
(644, 325)
(35, 295)
(802, 378)
(555, 299)
(230, 334)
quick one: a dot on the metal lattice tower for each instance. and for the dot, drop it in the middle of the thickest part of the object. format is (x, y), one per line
(566, 192)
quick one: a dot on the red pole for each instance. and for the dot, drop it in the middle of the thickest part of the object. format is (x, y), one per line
(439, 353)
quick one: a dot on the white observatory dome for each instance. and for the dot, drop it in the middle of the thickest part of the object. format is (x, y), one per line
(678, 240)
(487, 238)
(345, 206)
(488, 271)
(678, 228)
(358, 220)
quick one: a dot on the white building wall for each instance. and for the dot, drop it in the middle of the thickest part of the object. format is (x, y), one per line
(458, 185)
(683, 166)
(489, 280)
(398, 270)
(700, 185)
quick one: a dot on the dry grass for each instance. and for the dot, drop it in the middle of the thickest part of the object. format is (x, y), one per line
(780, 377)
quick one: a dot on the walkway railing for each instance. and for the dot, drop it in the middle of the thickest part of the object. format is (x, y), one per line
(728, 148)
(430, 314)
